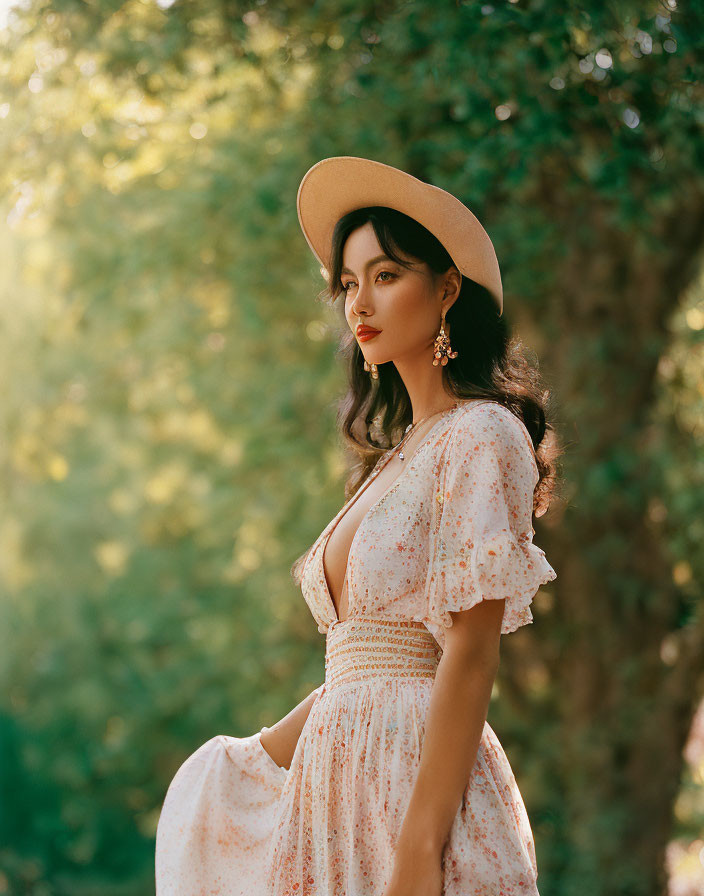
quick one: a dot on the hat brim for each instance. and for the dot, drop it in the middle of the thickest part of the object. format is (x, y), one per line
(338, 185)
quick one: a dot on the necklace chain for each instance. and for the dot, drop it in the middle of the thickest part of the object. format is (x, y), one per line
(411, 426)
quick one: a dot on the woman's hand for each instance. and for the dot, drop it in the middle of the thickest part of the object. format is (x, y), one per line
(281, 739)
(417, 872)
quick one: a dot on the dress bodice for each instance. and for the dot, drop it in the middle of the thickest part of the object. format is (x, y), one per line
(377, 486)
(468, 484)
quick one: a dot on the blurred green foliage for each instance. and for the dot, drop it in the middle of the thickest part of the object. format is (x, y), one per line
(168, 440)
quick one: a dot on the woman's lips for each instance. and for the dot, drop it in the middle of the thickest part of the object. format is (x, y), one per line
(366, 334)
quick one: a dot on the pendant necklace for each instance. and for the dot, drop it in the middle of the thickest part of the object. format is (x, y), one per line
(411, 426)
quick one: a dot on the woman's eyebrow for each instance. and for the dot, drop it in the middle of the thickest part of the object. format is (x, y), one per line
(368, 264)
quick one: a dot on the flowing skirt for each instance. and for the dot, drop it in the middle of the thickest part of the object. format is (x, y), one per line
(234, 822)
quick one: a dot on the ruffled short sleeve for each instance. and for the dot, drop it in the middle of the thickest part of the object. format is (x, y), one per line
(483, 545)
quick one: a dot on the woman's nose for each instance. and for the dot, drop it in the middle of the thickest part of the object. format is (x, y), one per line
(360, 305)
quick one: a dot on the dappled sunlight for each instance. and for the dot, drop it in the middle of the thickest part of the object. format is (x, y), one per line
(170, 383)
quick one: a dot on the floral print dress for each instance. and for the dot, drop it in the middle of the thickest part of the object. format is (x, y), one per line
(453, 528)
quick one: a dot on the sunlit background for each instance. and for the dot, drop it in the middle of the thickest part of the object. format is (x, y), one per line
(168, 440)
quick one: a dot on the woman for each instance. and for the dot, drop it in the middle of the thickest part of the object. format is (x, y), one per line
(387, 780)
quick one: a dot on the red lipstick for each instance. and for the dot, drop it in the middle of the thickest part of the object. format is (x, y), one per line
(366, 333)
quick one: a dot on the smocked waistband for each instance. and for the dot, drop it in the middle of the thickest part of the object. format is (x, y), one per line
(363, 648)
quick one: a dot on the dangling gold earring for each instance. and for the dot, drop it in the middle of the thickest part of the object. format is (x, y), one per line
(373, 368)
(443, 349)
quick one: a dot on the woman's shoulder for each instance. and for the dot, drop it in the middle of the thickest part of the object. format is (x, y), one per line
(487, 413)
(486, 424)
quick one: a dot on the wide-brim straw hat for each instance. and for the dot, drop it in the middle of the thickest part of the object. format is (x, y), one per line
(338, 185)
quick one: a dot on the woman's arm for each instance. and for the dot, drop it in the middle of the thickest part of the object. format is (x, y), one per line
(458, 708)
(280, 740)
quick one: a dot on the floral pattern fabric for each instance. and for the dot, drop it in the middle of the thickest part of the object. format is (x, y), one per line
(453, 528)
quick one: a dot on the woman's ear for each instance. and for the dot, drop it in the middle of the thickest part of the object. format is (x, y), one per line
(451, 285)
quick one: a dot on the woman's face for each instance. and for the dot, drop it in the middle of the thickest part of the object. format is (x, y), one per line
(403, 304)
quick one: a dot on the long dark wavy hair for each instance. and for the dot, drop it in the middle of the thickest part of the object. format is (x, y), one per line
(491, 363)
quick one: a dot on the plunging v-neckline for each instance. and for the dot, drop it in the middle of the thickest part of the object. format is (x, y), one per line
(336, 520)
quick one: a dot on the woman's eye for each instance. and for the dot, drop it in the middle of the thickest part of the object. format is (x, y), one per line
(346, 286)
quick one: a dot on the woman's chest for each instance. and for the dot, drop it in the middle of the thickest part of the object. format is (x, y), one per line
(389, 551)
(380, 541)
(335, 552)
